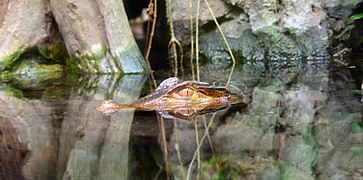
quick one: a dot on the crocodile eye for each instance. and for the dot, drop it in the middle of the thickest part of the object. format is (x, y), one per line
(187, 92)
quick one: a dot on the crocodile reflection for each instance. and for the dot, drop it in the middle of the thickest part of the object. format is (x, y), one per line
(182, 100)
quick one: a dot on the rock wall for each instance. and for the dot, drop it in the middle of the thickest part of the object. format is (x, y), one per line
(302, 123)
(263, 29)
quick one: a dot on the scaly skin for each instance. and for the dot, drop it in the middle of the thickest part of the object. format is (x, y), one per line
(188, 96)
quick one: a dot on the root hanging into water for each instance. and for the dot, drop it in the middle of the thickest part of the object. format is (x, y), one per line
(176, 146)
(197, 41)
(149, 39)
(237, 89)
(208, 135)
(198, 151)
(191, 38)
(165, 147)
(150, 11)
(172, 42)
(199, 146)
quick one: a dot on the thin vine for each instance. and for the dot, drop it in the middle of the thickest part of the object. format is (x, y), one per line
(173, 40)
(191, 38)
(197, 41)
(152, 12)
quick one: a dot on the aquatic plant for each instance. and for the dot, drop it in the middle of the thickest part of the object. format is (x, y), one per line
(356, 17)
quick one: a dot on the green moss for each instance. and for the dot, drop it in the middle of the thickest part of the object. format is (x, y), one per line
(9, 60)
(71, 66)
(241, 167)
(13, 92)
(56, 52)
(356, 127)
(97, 59)
(221, 167)
(30, 74)
(93, 60)
(39, 70)
(97, 52)
(132, 61)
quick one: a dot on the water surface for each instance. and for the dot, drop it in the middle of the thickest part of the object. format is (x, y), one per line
(304, 122)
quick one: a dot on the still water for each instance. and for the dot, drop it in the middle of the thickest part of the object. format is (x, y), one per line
(304, 121)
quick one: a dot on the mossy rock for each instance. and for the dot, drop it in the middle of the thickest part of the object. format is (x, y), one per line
(32, 73)
(232, 167)
(55, 52)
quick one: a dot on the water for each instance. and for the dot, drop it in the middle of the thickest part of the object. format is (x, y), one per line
(304, 122)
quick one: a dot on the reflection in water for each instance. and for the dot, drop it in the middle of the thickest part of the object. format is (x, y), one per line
(93, 145)
(303, 122)
(35, 126)
(109, 107)
(187, 113)
(12, 152)
(70, 139)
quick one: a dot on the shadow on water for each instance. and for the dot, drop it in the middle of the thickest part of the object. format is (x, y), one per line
(304, 122)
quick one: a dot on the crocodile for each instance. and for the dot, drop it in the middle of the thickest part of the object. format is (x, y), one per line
(182, 99)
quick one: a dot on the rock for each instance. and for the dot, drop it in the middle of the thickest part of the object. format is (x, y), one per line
(23, 25)
(34, 73)
(304, 115)
(234, 167)
(35, 130)
(236, 138)
(96, 35)
(341, 163)
(257, 30)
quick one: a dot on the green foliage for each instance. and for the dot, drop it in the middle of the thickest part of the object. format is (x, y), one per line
(357, 92)
(352, 19)
(355, 17)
